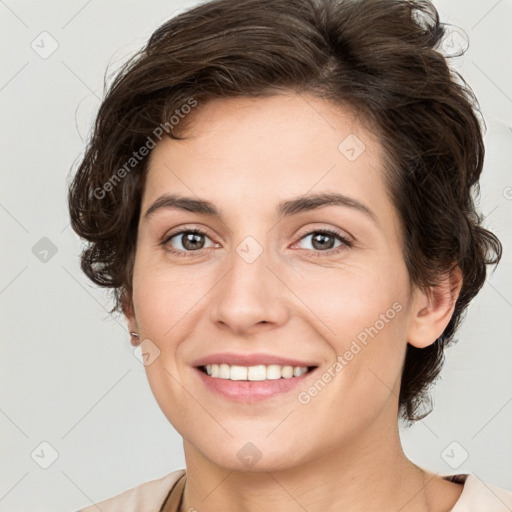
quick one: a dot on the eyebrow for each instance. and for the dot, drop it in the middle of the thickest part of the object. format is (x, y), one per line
(285, 208)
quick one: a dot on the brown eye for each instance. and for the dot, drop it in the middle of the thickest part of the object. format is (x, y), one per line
(187, 241)
(322, 241)
(325, 240)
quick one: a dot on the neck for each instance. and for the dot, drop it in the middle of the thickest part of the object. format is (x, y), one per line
(368, 472)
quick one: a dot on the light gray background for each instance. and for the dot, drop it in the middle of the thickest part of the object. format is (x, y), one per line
(69, 377)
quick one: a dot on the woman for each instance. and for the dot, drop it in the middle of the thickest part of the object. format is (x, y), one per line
(279, 192)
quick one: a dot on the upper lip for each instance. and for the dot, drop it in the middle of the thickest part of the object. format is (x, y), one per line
(249, 360)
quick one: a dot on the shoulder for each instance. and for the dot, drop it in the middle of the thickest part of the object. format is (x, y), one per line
(480, 496)
(148, 496)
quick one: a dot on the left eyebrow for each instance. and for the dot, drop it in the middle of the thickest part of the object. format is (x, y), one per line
(285, 208)
(314, 201)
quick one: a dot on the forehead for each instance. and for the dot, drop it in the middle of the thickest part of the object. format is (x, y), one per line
(245, 150)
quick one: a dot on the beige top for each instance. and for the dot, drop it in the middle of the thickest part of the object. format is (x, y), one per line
(165, 494)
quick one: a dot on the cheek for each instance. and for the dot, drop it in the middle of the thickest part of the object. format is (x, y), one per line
(164, 297)
(363, 317)
(348, 299)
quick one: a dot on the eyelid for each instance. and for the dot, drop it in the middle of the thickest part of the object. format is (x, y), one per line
(185, 228)
(326, 229)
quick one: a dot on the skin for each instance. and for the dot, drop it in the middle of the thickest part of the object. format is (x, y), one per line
(340, 451)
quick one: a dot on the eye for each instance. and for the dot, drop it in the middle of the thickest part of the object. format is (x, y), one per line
(323, 240)
(189, 240)
(193, 241)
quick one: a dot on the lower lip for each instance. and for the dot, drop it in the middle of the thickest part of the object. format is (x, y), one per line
(246, 391)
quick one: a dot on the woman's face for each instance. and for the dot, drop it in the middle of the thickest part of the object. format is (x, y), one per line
(261, 284)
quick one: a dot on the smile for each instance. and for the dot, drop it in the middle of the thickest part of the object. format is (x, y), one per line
(254, 373)
(250, 384)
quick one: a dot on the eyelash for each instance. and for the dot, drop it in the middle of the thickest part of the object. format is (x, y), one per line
(346, 243)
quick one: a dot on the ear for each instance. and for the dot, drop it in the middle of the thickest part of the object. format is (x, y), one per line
(129, 313)
(432, 309)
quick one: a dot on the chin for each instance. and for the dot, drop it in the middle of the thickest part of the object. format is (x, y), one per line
(242, 455)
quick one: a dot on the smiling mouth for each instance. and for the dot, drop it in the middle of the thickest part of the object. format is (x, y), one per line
(254, 373)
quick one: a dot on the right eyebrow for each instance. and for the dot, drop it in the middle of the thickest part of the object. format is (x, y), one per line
(187, 204)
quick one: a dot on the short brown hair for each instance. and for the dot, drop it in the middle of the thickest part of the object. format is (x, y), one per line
(380, 58)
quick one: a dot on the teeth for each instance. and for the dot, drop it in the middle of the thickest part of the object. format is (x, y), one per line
(274, 371)
(297, 371)
(256, 372)
(287, 372)
(224, 371)
(238, 373)
(253, 373)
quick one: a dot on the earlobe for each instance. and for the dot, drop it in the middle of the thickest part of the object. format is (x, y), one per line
(433, 309)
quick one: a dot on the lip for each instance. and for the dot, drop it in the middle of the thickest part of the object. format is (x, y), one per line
(246, 391)
(253, 359)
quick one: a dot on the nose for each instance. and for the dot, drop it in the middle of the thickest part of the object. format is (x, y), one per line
(250, 296)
